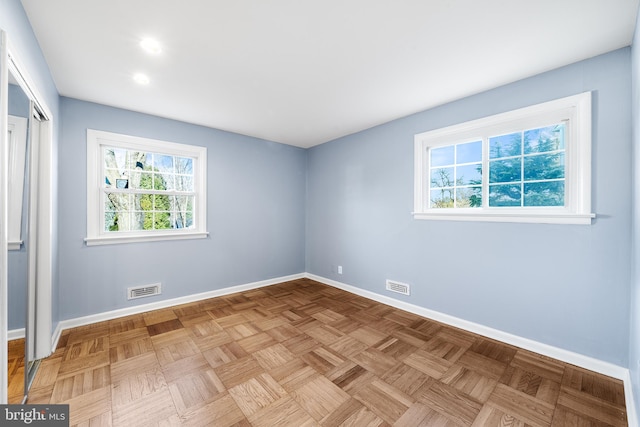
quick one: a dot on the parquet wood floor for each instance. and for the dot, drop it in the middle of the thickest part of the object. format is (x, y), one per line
(15, 351)
(304, 354)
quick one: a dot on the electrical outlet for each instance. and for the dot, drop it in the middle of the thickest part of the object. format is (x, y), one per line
(339, 269)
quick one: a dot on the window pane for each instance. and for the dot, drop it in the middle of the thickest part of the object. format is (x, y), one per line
(508, 170)
(163, 181)
(544, 193)
(505, 145)
(148, 162)
(109, 206)
(442, 156)
(441, 198)
(188, 218)
(119, 221)
(110, 214)
(184, 183)
(161, 203)
(162, 220)
(110, 177)
(184, 165)
(544, 166)
(469, 197)
(136, 160)
(504, 195)
(119, 202)
(110, 221)
(143, 181)
(469, 174)
(184, 203)
(143, 202)
(115, 158)
(469, 152)
(147, 221)
(541, 140)
(183, 216)
(442, 177)
(163, 163)
(158, 182)
(183, 219)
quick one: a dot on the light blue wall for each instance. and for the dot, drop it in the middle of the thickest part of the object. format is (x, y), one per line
(25, 47)
(567, 286)
(256, 192)
(359, 198)
(634, 337)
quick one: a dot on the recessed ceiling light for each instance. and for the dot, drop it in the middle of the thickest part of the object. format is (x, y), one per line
(141, 79)
(151, 46)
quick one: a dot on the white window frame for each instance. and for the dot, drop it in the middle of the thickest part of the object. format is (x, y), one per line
(17, 138)
(96, 235)
(574, 111)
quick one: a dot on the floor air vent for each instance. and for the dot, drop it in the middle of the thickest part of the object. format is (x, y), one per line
(401, 288)
(143, 291)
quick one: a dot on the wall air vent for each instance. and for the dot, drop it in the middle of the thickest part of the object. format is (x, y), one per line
(144, 291)
(401, 288)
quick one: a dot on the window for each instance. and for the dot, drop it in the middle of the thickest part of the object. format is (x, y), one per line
(527, 165)
(141, 189)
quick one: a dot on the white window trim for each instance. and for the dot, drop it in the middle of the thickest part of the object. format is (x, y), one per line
(17, 127)
(95, 179)
(577, 210)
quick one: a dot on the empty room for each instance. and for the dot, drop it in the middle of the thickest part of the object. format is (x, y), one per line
(319, 213)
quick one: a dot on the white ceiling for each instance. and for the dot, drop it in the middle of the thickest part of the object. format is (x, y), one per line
(304, 72)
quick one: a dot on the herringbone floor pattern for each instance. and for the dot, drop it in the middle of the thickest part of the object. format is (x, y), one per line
(304, 354)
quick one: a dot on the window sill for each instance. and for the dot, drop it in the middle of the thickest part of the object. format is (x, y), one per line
(523, 217)
(136, 238)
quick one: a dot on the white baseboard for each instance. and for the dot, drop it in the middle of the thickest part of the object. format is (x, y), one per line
(527, 344)
(567, 356)
(563, 355)
(114, 314)
(632, 409)
(15, 334)
(56, 337)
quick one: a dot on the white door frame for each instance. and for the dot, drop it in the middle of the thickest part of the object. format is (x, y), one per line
(43, 218)
(4, 187)
(43, 223)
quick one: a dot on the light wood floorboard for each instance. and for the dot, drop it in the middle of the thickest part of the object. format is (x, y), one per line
(304, 354)
(15, 392)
